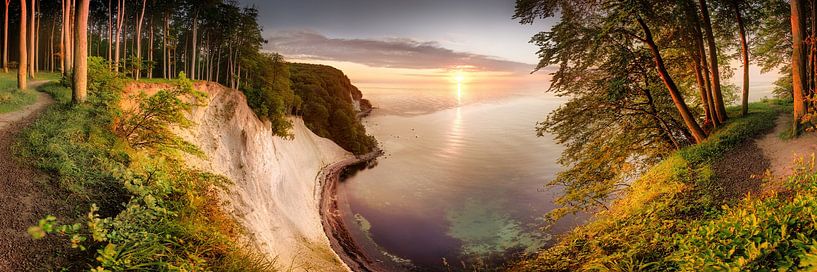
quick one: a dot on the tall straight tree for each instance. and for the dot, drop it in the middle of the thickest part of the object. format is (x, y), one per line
(798, 62)
(6, 38)
(150, 61)
(64, 47)
(80, 86)
(165, 51)
(744, 53)
(138, 68)
(31, 37)
(120, 14)
(37, 38)
(713, 63)
(51, 46)
(699, 66)
(22, 76)
(110, 34)
(193, 59)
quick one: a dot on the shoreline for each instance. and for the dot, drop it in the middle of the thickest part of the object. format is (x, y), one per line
(340, 239)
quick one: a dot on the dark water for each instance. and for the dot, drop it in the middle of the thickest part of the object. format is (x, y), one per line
(463, 185)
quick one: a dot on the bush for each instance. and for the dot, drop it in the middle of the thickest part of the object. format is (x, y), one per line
(758, 234)
(148, 125)
(148, 211)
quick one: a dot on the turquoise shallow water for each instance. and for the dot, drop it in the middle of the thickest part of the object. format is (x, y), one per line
(458, 184)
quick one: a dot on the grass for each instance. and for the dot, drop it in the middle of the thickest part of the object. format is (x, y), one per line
(14, 100)
(644, 229)
(11, 98)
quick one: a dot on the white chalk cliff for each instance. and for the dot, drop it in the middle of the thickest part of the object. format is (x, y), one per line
(275, 194)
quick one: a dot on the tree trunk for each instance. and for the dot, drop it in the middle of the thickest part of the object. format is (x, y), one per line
(110, 34)
(699, 58)
(193, 53)
(218, 63)
(80, 91)
(713, 63)
(744, 52)
(31, 49)
(22, 76)
(165, 51)
(69, 38)
(138, 68)
(37, 40)
(702, 87)
(6, 39)
(150, 49)
(64, 39)
(798, 63)
(120, 12)
(62, 43)
(697, 133)
(51, 47)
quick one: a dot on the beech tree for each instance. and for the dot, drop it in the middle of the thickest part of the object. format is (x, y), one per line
(798, 62)
(22, 76)
(80, 86)
(744, 53)
(717, 94)
(120, 14)
(625, 102)
(138, 58)
(6, 38)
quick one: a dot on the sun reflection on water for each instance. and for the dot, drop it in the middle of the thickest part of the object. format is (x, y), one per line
(459, 93)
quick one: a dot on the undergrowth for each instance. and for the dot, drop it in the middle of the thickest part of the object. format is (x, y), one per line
(139, 207)
(648, 226)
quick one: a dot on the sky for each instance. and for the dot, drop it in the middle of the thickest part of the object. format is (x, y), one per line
(415, 42)
(419, 43)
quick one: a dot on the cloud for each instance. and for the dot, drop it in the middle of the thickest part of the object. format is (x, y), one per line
(389, 53)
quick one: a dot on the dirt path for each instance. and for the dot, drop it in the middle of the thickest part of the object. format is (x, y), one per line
(747, 168)
(43, 100)
(782, 153)
(23, 200)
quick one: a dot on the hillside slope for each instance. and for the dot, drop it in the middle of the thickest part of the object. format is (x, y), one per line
(662, 209)
(275, 194)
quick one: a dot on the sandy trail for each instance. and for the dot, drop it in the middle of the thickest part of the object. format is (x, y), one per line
(43, 100)
(783, 153)
(25, 197)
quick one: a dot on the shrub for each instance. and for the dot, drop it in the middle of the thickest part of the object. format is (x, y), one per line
(149, 124)
(148, 211)
(758, 234)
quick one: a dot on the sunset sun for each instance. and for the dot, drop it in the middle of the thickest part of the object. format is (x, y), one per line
(459, 77)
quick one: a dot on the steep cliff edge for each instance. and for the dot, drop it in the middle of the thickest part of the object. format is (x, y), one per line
(275, 192)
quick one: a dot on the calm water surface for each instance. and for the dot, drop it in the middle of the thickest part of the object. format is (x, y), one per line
(458, 184)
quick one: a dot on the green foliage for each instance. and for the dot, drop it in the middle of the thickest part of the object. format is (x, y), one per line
(148, 211)
(148, 124)
(74, 145)
(619, 114)
(326, 95)
(639, 230)
(268, 91)
(778, 232)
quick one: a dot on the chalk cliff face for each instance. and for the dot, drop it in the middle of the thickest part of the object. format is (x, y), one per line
(275, 194)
